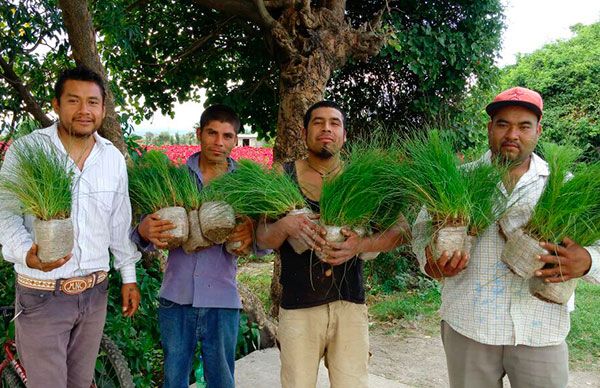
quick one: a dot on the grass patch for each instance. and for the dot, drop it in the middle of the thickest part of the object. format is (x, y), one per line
(409, 305)
(259, 284)
(584, 338)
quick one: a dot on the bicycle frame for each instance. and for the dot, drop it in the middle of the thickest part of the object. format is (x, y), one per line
(11, 361)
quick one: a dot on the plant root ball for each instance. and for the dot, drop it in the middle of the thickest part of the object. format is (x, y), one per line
(196, 240)
(450, 239)
(520, 254)
(54, 238)
(178, 216)
(217, 220)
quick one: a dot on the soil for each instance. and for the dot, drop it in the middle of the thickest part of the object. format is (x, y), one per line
(414, 358)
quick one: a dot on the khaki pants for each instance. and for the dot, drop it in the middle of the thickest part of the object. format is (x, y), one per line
(338, 331)
(472, 364)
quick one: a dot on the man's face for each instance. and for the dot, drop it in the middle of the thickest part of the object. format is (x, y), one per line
(80, 109)
(513, 134)
(325, 134)
(217, 139)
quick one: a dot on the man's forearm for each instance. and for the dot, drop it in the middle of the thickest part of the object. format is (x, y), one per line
(270, 236)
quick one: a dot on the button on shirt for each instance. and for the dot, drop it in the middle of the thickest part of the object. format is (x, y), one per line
(201, 279)
(487, 302)
(101, 214)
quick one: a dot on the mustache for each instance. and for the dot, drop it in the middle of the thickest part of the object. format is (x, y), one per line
(510, 143)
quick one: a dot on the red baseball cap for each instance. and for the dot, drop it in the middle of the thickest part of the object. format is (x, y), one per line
(518, 96)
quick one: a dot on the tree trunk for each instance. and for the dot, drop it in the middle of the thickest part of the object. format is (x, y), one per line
(300, 86)
(276, 288)
(82, 37)
(256, 313)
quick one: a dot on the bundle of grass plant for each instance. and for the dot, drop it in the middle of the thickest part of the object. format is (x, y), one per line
(581, 195)
(368, 193)
(522, 245)
(487, 203)
(568, 207)
(434, 179)
(157, 186)
(39, 180)
(255, 191)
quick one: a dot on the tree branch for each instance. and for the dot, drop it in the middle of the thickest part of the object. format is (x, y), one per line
(31, 105)
(267, 19)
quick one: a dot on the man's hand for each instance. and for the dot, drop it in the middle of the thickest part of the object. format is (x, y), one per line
(153, 229)
(445, 265)
(130, 297)
(244, 234)
(570, 261)
(302, 227)
(33, 261)
(337, 253)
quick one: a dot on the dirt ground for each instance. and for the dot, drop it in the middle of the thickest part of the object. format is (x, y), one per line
(417, 359)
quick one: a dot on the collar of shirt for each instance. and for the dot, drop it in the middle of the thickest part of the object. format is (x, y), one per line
(193, 165)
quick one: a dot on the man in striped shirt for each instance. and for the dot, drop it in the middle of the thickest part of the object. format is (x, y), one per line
(492, 326)
(61, 305)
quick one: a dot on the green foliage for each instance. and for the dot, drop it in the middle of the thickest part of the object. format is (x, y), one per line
(394, 271)
(567, 75)
(39, 179)
(138, 337)
(435, 50)
(584, 337)
(568, 207)
(248, 337)
(256, 191)
(155, 183)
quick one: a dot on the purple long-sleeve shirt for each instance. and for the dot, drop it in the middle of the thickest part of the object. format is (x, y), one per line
(202, 279)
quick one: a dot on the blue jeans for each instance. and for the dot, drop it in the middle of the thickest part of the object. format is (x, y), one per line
(181, 327)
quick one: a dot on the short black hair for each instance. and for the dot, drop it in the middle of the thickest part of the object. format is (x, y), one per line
(222, 113)
(323, 104)
(78, 73)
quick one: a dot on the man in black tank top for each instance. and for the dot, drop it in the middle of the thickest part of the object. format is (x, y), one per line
(323, 311)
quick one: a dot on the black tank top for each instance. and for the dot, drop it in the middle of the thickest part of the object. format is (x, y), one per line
(304, 277)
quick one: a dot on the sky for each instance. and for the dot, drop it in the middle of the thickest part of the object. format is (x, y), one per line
(530, 24)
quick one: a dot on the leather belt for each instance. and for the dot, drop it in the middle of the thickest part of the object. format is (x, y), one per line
(71, 286)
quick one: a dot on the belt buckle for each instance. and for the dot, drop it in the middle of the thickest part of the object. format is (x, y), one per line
(74, 286)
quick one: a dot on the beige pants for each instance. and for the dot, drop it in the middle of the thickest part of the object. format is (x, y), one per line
(338, 331)
(472, 364)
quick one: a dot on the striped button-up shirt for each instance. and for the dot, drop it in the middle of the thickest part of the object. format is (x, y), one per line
(487, 302)
(101, 215)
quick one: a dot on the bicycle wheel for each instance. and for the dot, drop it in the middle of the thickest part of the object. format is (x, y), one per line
(10, 379)
(111, 367)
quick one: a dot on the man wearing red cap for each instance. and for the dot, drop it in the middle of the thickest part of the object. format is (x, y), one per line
(491, 325)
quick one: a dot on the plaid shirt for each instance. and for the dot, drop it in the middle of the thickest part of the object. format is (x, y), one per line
(487, 302)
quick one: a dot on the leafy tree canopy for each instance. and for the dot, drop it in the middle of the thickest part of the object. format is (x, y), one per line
(567, 75)
(158, 53)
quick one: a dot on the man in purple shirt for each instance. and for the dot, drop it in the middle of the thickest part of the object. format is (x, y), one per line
(198, 300)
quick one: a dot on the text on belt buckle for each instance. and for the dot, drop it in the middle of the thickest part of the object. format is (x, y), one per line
(74, 286)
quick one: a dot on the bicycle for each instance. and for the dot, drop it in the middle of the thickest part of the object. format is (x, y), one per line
(111, 367)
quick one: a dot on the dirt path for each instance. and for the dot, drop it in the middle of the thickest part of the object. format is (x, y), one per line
(418, 360)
